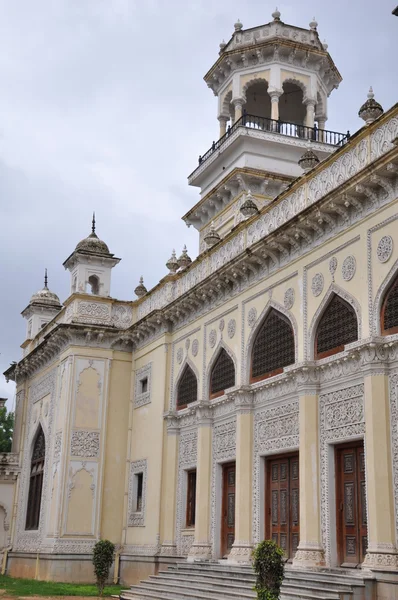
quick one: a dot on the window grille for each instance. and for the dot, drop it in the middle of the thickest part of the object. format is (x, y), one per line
(191, 498)
(389, 313)
(187, 388)
(222, 374)
(139, 480)
(273, 347)
(337, 328)
(36, 482)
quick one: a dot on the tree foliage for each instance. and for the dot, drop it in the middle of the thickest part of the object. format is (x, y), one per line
(268, 564)
(102, 560)
(6, 429)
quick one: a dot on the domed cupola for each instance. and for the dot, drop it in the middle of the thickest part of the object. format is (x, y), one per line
(90, 265)
(43, 307)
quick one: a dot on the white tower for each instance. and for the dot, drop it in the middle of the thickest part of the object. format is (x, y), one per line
(90, 266)
(272, 84)
(43, 307)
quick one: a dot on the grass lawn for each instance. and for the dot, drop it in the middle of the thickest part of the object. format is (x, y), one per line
(31, 587)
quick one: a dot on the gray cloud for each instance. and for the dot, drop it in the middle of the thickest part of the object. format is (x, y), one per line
(103, 106)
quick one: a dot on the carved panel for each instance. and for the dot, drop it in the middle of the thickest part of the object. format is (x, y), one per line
(137, 518)
(187, 459)
(143, 385)
(85, 443)
(341, 419)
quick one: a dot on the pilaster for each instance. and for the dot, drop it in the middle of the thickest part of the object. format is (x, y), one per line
(382, 552)
(242, 546)
(310, 552)
(169, 546)
(201, 548)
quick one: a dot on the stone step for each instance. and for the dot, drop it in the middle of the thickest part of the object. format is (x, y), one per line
(176, 592)
(191, 575)
(327, 580)
(297, 595)
(209, 580)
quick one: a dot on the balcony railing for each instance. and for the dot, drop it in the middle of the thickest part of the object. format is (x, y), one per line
(314, 134)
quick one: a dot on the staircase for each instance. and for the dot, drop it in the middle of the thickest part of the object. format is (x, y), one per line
(218, 581)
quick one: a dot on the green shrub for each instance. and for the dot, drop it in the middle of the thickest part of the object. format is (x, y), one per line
(102, 560)
(268, 564)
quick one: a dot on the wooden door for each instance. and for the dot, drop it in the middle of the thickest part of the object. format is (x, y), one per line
(228, 509)
(282, 516)
(352, 529)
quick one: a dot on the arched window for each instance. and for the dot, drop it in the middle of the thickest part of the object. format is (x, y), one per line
(36, 481)
(273, 347)
(94, 284)
(187, 388)
(389, 310)
(337, 327)
(222, 374)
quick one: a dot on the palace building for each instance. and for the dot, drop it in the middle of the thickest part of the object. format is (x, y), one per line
(253, 392)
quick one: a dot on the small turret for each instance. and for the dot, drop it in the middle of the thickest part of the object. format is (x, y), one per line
(43, 307)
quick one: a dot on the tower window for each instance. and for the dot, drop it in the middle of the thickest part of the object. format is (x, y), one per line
(389, 311)
(139, 480)
(36, 482)
(191, 498)
(273, 347)
(94, 284)
(222, 375)
(337, 327)
(187, 388)
(144, 385)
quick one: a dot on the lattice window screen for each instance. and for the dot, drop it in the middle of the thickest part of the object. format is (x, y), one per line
(223, 373)
(338, 326)
(390, 309)
(187, 388)
(273, 347)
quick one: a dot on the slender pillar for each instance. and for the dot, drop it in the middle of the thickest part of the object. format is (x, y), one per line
(382, 552)
(223, 124)
(201, 548)
(238, 104)
(169, 547)
(275, 95)
(310, 116)
(242, 546)
(310, 551)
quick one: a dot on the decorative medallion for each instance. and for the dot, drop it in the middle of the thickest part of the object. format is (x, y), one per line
(231, 328)
(332, 266)
(317, 284)
(288, 299)
(348, 268)
(252, 316)
(221, 325)
(180, 355)
(187, 344)
(384, 248)
(212, 338)
(195, 347)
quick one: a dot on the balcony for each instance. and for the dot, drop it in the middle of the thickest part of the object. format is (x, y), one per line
(292, 130)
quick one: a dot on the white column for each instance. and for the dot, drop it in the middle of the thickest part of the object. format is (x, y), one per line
(321, 127)
(275, 95)
(310, 116)
(223, 124)
(238, 104)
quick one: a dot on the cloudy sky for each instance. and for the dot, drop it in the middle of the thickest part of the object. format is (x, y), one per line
(103, 107)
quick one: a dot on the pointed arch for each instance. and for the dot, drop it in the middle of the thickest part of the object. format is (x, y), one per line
(222, 374)
(336, 323)
(271, 305)
(221, 345)
(255, 79)
(272, 345)
(186, 389)
(384, 290)
(37, 462)
(297, 82)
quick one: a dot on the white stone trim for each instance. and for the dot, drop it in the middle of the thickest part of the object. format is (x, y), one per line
(187, 460)
(142, 398)
(221, 345)
(379, 298)
(174, 387)
(137, 519)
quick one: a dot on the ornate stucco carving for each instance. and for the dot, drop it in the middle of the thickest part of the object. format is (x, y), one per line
(187, 459)
(137, 519)
(143, 374)
(85, 444)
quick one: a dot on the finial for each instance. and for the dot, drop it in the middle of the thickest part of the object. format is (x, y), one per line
(140, 290)
(184, 260)
(371, 109)
(238, 25)
(325, 45)
(172, 263)
(276, 15)
(249, 207)
(211, 237)
(313, 24)
(308, 161)
(45, 279)
(222, 46)
(93, 223)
